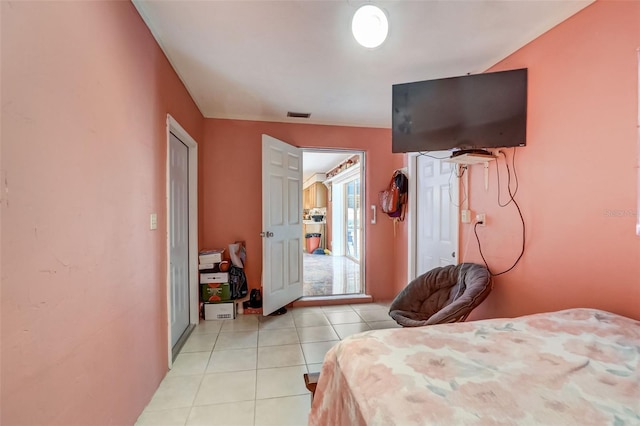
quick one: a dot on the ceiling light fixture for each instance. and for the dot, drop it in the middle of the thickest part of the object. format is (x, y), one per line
(370, 26)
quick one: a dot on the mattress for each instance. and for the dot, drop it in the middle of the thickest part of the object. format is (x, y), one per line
(572, 367)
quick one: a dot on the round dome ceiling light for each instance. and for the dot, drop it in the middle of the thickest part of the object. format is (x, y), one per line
(370, 26)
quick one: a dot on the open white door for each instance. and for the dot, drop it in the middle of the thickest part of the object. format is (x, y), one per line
(281, 224)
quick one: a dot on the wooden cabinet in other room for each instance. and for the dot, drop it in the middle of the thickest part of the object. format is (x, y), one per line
(306, 199)
(314, 196)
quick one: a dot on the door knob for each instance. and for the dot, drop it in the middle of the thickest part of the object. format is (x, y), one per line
(453, 254)
(267, 234)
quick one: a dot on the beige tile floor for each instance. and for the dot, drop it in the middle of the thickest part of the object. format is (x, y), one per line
(330, 275)
(248, 371)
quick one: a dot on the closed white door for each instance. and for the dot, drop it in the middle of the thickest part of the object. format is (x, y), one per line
(178, 236)
(436, 214)
(281, 224)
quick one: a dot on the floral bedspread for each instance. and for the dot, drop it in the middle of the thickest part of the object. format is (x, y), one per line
(573, 367)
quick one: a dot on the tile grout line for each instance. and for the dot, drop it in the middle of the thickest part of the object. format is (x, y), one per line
(255, 389)
(201, 375)
(193, 402)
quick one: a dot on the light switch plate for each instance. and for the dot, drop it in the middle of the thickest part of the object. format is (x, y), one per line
(465, 216)
(153, 221)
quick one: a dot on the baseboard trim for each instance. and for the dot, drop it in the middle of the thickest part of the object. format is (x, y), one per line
(181, 341)
(347, 299)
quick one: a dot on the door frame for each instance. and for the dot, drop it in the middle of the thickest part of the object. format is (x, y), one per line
(412, 226)
(174, 127)
(362, 165)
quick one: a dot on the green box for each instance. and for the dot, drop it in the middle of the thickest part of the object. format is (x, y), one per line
(215, 292)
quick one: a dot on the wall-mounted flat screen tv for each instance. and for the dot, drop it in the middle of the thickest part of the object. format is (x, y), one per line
(470, 112)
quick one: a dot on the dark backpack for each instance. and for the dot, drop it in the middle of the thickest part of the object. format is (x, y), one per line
(237, 282)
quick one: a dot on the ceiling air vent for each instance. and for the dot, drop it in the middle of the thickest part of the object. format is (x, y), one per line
(298, 114)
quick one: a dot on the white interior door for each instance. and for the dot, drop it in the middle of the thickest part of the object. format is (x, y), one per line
(436, 214)
(281, 224)
(178, 236)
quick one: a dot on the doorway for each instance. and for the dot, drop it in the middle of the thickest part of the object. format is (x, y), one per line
(434, 212)
(178, 236)
(182, 236)
(333, 258)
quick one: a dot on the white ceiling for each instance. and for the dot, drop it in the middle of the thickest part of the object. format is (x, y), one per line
(256, 60)
(321, 162)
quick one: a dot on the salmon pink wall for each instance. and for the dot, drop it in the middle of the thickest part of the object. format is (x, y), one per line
(230, 160)
(577, 173)
(400, 275)
(85, 93)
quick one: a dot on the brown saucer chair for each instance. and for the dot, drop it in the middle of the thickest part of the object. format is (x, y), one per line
(442, 295)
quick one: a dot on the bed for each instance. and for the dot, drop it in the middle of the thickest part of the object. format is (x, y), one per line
(572, 367)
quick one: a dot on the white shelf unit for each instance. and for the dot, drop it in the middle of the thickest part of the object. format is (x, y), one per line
(471, 159)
